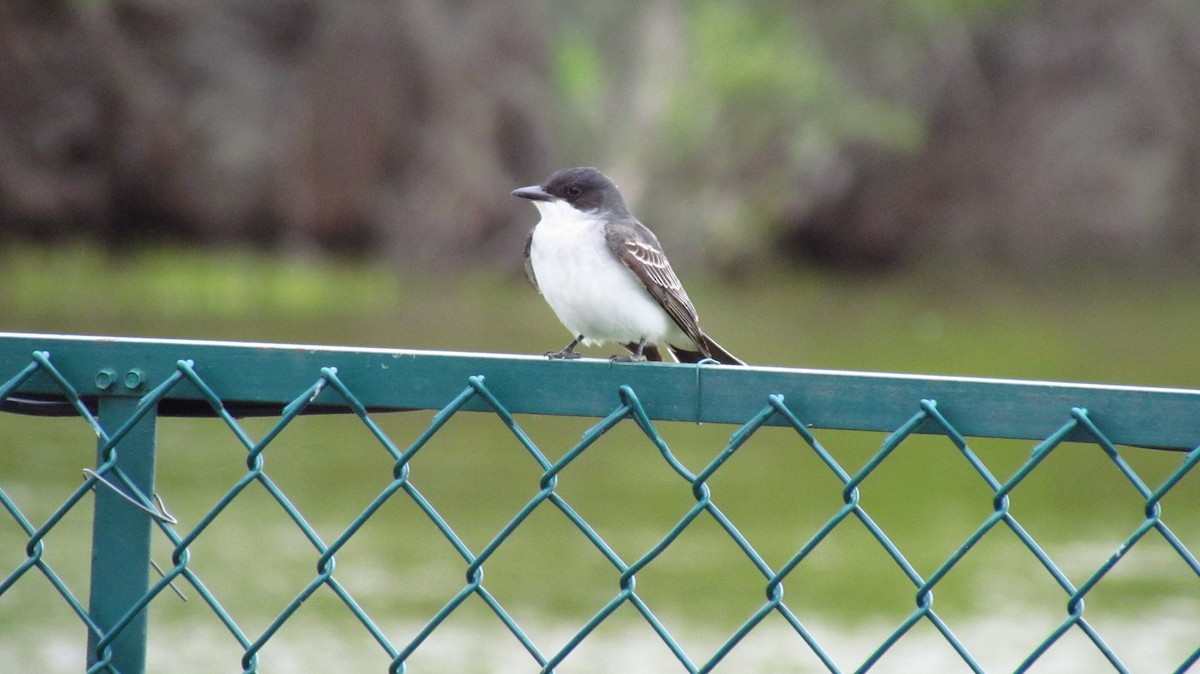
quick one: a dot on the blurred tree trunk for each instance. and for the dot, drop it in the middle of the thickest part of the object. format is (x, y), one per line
(347, 124)
(55, 122)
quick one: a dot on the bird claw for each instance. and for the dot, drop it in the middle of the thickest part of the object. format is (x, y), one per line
(627, 358)
(565, 354)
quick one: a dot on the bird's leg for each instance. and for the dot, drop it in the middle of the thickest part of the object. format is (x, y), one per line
(636, 357)
(568, 351)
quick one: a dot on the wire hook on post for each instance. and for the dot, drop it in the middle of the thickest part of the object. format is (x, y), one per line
(158, 511)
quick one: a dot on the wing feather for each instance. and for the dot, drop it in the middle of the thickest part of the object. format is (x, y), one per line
(532, 278)
(638, 248)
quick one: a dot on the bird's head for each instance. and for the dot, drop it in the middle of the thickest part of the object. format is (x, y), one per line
(584, 189)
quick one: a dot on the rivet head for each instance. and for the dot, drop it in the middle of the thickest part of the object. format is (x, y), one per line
(106, 378)
(134, 379)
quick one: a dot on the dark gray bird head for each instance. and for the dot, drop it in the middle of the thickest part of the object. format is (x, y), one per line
(585, 189)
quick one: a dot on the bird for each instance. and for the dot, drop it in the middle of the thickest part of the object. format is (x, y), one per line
(606, 276)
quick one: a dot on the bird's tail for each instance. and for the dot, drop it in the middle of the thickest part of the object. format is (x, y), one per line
(708, 348)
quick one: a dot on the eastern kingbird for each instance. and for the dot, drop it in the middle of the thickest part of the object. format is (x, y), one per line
(605, 275)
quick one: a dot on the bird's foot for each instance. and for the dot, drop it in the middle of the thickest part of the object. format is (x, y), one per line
(568, 351)
(636, 353)
(565, 354)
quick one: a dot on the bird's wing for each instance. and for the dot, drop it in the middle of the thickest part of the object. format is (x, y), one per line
(529, 263)
(638, 248)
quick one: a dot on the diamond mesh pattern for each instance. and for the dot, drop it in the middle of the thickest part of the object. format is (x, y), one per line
(926, 417)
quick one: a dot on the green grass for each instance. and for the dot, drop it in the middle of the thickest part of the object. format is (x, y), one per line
(1116, 329)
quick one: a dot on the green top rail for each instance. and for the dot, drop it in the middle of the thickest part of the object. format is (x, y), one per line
(256, 379)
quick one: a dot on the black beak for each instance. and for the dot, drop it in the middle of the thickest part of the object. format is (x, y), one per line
(533, 193)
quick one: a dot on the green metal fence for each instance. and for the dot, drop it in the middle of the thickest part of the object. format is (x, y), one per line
(121, 387)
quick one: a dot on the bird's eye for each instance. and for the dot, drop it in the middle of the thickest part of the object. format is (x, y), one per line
(574, 190)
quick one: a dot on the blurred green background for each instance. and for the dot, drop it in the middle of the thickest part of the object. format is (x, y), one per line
(998, 188)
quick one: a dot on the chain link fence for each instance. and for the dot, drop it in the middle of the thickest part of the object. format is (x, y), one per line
(123, 391)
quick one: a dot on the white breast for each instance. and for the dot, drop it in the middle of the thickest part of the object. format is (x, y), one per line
(589, 289)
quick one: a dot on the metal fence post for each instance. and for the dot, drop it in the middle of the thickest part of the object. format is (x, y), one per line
(121, 540)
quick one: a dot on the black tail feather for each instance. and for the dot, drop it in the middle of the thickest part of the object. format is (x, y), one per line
(708, 349)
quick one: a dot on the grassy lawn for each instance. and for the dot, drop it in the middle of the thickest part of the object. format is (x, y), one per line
(1083, 327)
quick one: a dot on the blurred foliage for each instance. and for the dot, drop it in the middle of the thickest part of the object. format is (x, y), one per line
(941, 10)
(747, 61)
(849, 134)
(728, 108)
(727, 122)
